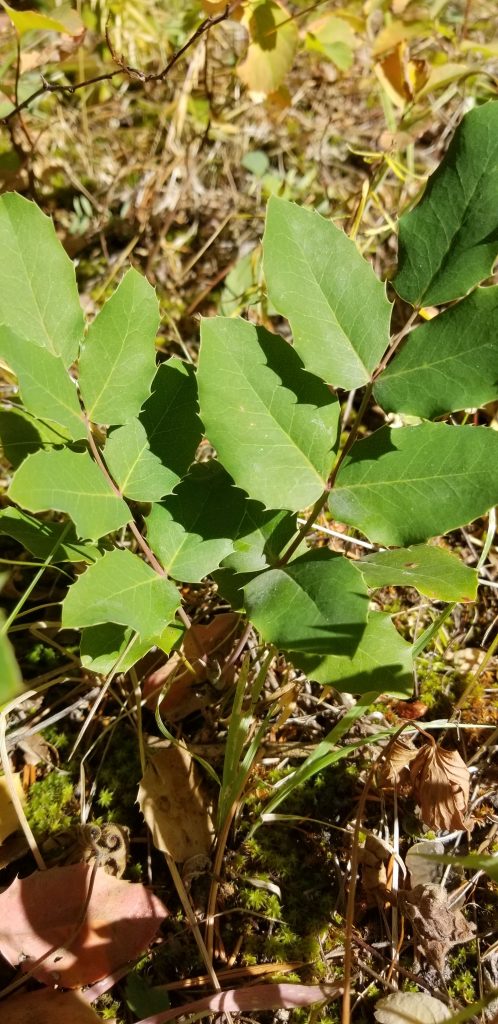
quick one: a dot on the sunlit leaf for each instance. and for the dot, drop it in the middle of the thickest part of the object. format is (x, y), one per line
(273, 39)
(66, 21)
(449, 242)
(121, 588)
(46, 388)
(118, 361)
(273, 425)
(405, 485)
(334, 38)
(449, 363)
(315, 275)
(71, 482)
(431, 570)
(39, 298)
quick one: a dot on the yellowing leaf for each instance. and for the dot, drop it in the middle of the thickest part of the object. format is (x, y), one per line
(67, 21)
(333, 37)
(401, 77)
(273, 38)
(398, 32)
(8, 817)
(174, 806)
(441, 75)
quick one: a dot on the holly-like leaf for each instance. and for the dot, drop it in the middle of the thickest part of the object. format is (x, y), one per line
(449, 242)
(193, 529)
(104, 646)
(21, 435)
(273, 38)
(118, 361)
(316, 604)
(47, 390)
(405, 485)
(38, 294)
(67, 481)
(148, 456)
(121, 588)
(273, 425)
(46, 538)
(431, 570)
(263, 534)
(449, 363)
(336, 305)
(381, 663)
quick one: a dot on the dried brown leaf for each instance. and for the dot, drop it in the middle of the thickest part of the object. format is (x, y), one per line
(437, 925)
(9, 821)
(394, 768)
(410, 1008)
(174, 806)
(39, 917)
(49, 1006)
(441, 780)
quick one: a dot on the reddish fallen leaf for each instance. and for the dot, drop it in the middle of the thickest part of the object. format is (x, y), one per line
(39, 918)
(251, 998)
(441, 781)
(49, 1007)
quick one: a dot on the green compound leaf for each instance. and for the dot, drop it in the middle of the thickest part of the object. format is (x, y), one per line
(121, 588)
(263, 534)
(432, 571)
(381, 663)
(447, 364)
(43, 539)
(405, 485)
(118, 360)
(449, 242)
(316, 604)
(71, 482)
(38, 293)
(148, 456)
(47, 390)
(273, 425)
(336, 305)
(21, 434)
(193, 529)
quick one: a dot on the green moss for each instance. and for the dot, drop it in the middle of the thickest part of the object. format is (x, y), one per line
(462, 985)
(51, 804)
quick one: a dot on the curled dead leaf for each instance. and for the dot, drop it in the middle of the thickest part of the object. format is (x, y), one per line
(204, 649)
(441, 780)
(174, 805)
(436, 923)
(40, 915)
(394, 768)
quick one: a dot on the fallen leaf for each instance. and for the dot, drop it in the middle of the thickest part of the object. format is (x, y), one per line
(39, 917)
(48, 1006)
(204, 650)
(401, 76)
(410, 1008)
(441, 780)
(251, 998)
(174, 806)
(9, 821)
(273, 39)
(436, 924)
(423, 870)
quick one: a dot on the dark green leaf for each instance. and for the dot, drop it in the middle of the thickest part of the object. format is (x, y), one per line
(193, 529)
(336, 305)
(316, 604)
(43, 539)
(21, 435)
(121, 588)
(447, 364)
(449, 242)
(118, 358)
(381, 663)
(67, 481)
(38, 294)
(149, 455)
(405, 485)
(273, 425)
(433, 571)
(47, 390)
(103, 647)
